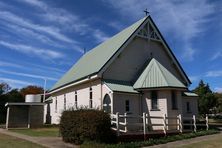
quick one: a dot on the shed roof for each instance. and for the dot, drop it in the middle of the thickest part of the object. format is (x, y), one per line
(24, 103)
(156, 75)
(95, 59)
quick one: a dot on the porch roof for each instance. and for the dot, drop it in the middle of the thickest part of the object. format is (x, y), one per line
(120, 87)
(156, 75)
(190, 94)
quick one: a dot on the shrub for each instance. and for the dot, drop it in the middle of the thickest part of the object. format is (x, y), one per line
(78, 126)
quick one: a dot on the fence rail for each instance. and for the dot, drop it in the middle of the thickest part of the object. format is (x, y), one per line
(122, 123)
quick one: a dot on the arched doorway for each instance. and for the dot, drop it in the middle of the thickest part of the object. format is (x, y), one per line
(107, 104)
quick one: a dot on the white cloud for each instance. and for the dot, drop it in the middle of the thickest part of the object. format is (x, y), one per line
(100, 36)
(216, 56)
(28, 75)
(218, 89)
(66, 20)
(15, 83)
(26, 66)
(8, 64)
(29, 50)
(188, 53)
(116, 25)
(54, 32)
(194, 78)
(215, 73)
(31, 34)
(182, 19)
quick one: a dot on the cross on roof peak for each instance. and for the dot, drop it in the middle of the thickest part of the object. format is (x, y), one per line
(146, 12)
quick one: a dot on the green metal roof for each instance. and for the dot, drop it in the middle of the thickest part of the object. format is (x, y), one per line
(156, 75)
(190, 94)
(96, 58)
(120, 87)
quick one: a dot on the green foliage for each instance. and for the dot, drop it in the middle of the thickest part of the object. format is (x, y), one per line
(219, 100)
(4, 88)
(150, 142)
(207, 102)
(31, 89)
(78, 126)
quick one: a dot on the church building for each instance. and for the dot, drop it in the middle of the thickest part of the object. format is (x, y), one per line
(133, 72)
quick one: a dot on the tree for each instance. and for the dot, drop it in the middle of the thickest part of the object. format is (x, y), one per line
(31, 89)
(219, 99)
(207, 101)
(14, 96)
(4, 88)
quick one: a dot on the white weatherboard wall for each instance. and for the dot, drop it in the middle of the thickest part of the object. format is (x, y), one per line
(119, 103)
(82, 98)
(162, 96)
(193, 106)
(134, 56)
(119, 100)
(174, 112)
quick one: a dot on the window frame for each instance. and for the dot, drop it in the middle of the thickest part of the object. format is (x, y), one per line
(174, 102)
(127, 106)
(154, 99)
(188, 107)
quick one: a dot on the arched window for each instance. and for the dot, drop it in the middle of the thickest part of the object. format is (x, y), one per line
(64, 101)
(90, 98)
(107, 104)
(76, 101)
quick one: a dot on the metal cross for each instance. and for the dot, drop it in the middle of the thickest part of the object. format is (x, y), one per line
(146, 12)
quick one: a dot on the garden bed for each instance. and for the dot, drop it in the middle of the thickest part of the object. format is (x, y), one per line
(151, 141)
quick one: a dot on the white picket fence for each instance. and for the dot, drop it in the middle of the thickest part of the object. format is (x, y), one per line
(123, 122)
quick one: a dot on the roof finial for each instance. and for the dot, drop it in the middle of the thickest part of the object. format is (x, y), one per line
(146, 12)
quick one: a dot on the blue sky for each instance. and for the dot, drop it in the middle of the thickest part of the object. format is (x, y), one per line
(43, 39)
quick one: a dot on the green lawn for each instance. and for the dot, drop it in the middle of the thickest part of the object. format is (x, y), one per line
(39, 132)
(11, 142)
(212, 143)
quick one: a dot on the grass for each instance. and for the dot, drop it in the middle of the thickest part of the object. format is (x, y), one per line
(39, 132)
(211, 143)
(149, 142)
(10, 142)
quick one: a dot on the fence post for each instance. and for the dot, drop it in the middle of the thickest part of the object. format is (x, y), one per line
(164, 124)
(207, 122)
(180, 123)
(125, 116)
(117, 123)
(144, 125)
(194, 123)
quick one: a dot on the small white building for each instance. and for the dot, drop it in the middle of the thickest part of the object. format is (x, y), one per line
(135, 71)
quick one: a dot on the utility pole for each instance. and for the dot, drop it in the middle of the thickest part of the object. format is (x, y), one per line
(44, 89)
